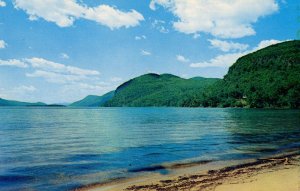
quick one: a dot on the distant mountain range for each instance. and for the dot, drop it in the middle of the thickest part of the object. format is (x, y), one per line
(9, 103)
(4, 102)
(93, 100)
(267, 78)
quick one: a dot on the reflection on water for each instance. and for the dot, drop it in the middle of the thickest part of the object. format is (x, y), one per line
(264, 130)
(59, 149)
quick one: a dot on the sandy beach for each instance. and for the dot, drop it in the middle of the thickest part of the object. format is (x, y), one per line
(278, 173)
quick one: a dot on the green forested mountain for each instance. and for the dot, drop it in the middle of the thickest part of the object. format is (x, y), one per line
(4, 102)
(158, 90)
(93, 100)
(269, 77)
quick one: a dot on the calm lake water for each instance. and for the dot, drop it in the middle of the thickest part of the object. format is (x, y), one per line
(61, 148)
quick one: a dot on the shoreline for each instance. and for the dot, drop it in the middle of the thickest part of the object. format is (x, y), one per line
(222, 176)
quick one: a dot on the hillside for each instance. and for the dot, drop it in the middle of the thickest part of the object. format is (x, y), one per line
(93, 100)
(4, 102)
(158, 90)
(267, 78)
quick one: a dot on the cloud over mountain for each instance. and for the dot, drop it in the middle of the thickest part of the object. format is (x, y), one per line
(220, 18)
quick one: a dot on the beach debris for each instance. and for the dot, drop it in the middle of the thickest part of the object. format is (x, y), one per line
(213, 178)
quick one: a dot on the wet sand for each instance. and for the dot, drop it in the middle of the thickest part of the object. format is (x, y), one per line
(280, 173)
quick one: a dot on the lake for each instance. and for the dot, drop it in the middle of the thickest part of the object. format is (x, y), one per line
(65, 148)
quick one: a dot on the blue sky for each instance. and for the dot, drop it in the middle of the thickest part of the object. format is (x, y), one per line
(59, 51)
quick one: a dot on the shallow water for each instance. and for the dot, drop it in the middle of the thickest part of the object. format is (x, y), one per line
(62, 148)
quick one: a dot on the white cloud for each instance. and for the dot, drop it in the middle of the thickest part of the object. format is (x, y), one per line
(152, 5)
(58, 78)
(64, 56)
(182, 59)
(94, 87)
(112, 17)
(160, 26)
(116, 79)
(74, 83)
(165, 3)
(226, 46)
(59, 73)
(145, 53)
(72, 87)
(65, 12)
(196, 35)
(51, 71)
(25, 88)
(226, 60)
(152, 71)
(143, 37)
(2, 4)
(18, 92)
(2, 44)
(266, 43)
(13, 62)
(186, 76)
(50, 66)
(220, 18)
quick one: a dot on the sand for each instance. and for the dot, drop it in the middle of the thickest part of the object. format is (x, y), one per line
(279, 180)
(280, 173)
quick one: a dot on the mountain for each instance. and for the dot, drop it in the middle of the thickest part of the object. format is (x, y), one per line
(267, 78)
(4, 102)
(158, 90)
(93, 100)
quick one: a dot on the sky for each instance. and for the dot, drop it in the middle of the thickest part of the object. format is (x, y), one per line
(59, 51)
